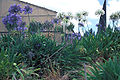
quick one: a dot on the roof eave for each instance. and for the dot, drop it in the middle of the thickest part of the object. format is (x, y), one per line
(37, 6)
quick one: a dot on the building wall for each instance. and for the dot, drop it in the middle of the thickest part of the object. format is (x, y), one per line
(39, 13)
(3, 10)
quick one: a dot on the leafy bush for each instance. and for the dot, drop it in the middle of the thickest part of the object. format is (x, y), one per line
(47, 25)
(104, 44)
(24, 72)
(12, 41)
(59, 28)
(9, 68)
(89, 48)
(110, 70)
(34, 48)
(38, 48)
(34, 26)
(7, 58)
(70, 58)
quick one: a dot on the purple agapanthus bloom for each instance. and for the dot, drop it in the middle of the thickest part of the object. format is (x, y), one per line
(67, 17)
(21, 26)
(11, 19)
(55, 20)
(5, 20)
(76, 36)
(80, 24)
(15, 9)
(14, 19)
(86, 33)
(98, 25)
(79, 36)
(69, 36)
(118, 28)
(25, 28)
(27, 9)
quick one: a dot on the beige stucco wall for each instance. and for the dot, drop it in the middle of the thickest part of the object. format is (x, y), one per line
(42, 14)
(37, 11)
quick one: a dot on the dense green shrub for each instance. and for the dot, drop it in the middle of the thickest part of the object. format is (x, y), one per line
(35, 26)
(34, 48)
(47, 25)
(7, 59)
(110, 70)
(89, 48)
(59, 28)
(70, 58)
(39, 49)
(104, 44)
(11, 66)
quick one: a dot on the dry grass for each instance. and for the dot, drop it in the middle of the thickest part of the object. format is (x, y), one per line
(54, 74)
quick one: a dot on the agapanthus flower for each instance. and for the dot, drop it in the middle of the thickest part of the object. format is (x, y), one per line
(79, 36)
(99, 12)
(76, 36)
(27, 9)
(67, 17)
(60, 16)
(55, 20)
(85, 13)
(86, 33)
(14, 19)
(5, 20)
(69, 36)
(98, 25)
(118, 28)
(15, 9)
(11, 19)
(21, 26)
(80, 24)
(115, 16)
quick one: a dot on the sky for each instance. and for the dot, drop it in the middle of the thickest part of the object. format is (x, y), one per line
(75, 6)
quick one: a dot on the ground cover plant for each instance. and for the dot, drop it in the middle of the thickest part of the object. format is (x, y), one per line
(106, 71)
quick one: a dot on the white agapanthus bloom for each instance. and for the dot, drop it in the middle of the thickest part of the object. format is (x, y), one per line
(99, 12)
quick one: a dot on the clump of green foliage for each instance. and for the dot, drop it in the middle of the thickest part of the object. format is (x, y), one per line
(110, 70)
